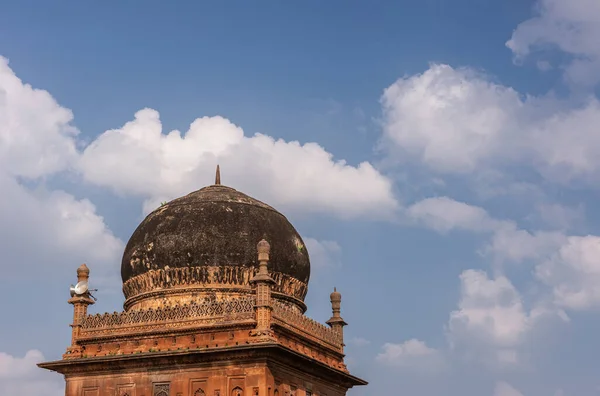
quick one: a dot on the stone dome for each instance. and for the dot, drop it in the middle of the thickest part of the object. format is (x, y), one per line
(206, 243)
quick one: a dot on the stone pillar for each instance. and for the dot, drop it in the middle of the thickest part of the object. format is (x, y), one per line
(80, 304)
(262, 283)
(336, 322)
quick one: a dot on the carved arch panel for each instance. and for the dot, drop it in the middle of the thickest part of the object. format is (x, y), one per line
(237, 391)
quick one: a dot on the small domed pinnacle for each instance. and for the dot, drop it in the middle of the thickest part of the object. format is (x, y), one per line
(218, 176)
(263, 246)
(83, 269)
(336, 295)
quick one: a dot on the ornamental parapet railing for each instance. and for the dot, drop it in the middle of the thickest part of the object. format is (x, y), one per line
(201, 313)
(309, 327)
(169, 317)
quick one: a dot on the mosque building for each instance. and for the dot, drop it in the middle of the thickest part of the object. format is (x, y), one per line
(214, 286)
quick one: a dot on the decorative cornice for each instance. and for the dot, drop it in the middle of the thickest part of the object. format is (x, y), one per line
(269, 352)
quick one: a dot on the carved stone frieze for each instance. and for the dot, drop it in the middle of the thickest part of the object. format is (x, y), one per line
(208, 277)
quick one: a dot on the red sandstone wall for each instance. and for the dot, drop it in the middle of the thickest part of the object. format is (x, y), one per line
(228, 380)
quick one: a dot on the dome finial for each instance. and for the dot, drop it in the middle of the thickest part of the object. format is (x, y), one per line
(218, 176)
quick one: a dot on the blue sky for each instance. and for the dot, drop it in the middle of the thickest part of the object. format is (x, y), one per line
(439, 158)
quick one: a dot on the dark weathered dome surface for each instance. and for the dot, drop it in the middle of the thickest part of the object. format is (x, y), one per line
(216, 226)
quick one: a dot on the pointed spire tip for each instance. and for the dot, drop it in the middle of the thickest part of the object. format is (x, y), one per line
(218, 176)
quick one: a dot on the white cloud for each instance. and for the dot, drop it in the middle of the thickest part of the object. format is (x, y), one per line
(573, 272)
(51, 228)
(444, 214)
(507, 242)
(12, 367)
(490, 318)
(567, 263)
(571, 26)
(36, 137)
(139, 159)
(451, 120)
(20, 375)
(505, 389)
(456, 121)
(40, 228)
(510, 243)
(412, 355)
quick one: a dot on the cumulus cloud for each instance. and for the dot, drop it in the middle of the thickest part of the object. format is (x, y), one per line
(412, 355)
(571, 26)
(36, 135)
(140, 159)
(457, 121)
(566, 263)
(490, 315)
(42, 228)
(573, 272)
(20, 375)
(492, 323)
(505, 389)
(450, 119)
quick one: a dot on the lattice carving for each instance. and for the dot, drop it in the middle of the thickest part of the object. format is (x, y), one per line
(309, 326)
(206, 276)
(243, 306)
(199, 392)
(162, 389)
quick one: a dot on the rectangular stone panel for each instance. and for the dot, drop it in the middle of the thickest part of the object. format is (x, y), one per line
(91, 391)
(126, 390)
(198, 387)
